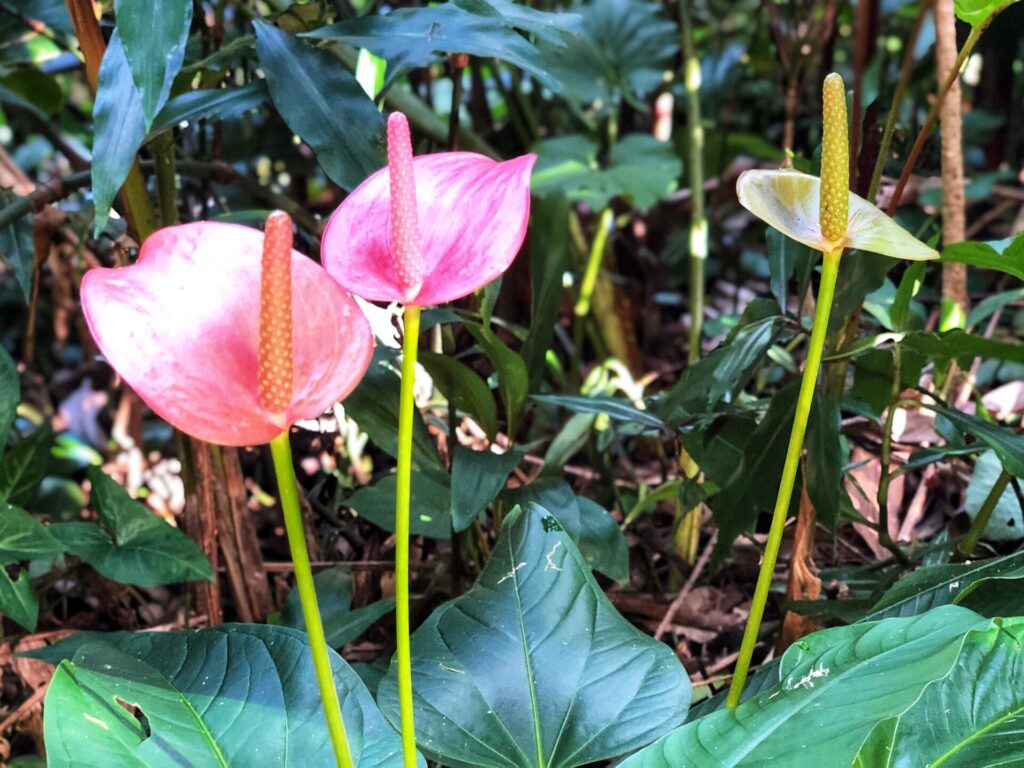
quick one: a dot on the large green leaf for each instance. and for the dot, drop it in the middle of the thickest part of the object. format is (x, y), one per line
(477, 477)
(334, 597)
(513, 378)
(130, 544)
(205, 103)
(18, 600)
(1008, 445)
(612, 407)
(975, 12)
(10, 395)
(236, 694)
(972, 717)
(1007, 521)
(1004, 257)
(22, 537)
(549, 259)
(624, 49)
(119, 128)
(17, 248)
(154, 33)
(958, 583)
(832, 687)
(430, 513)
(533, 666)
(409, 38)
(322, 102)
(22, 468)
(464, 388)
(640, 168)
(788, 259)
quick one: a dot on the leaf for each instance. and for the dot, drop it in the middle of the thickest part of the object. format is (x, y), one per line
(373, 405)
(154, 34)
(549, 259)
(1007, 521)
(788, 201)
(410, 38)
(987, 256)
(615, 408)
(334, 597)
(823, 466)
(788, 258)
(22, 468)
(323, 104)
(430, 503)
(17, 247)
(207, 103)
(974, 716)
(477, 477)
(592, 529)
(18, 600)
(533, 666)
(623, 49)
(949, 583)
(513, 379)
(975, 12)
(1009, 446)
(119, 129)
(10, 395)
(130, 544)
(832, 688)
(464, 388)
(22, 537)
(237, 694)
(640, 169)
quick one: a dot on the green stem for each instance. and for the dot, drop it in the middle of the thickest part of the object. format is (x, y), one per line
(406, 411)
(984, 514)
(826, 294)
(287, 488)
(167, 193)
(593, 267)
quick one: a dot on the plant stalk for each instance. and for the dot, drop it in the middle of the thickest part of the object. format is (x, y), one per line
(826, 294)
(406, 410)
(988, 506)
(593, 267)
(287, 488)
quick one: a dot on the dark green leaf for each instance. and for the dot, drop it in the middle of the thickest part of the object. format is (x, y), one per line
(323, 104)
(860, 274)
(533, 666)
(823, 467)
(615, 408)
(22, 468)
(10, 395)
(22, 537)
(18, 599)
(985, 255)
(119, 128)
(130, 544)
(513, 379)
(430, 504)
(410, 38)
(1008, 445)
(334, 597)
(549, 259)
(1007, 521)
(154, 33)
(207, 103)
(910, 283)
(236, 694)
(477, 477)
(832, 688)
(464, 388)
(18, 249)
(788, 259)
(972, 717)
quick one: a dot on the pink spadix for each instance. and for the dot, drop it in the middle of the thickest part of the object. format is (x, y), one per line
(203, 327)
(431, 229)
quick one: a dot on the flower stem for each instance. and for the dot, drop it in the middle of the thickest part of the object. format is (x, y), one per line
(984, 514)
(593, 266)
(826, 293)
(406, 410)
(281, 450)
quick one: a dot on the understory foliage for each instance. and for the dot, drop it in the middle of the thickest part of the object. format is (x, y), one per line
(596, 435)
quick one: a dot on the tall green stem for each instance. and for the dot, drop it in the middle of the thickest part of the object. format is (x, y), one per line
(826, 293)
(287, 488)
(984, 514)
(593, 266)
(406, 411)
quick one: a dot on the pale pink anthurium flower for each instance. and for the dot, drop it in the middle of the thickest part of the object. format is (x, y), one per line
(430, 229)
(204, 329)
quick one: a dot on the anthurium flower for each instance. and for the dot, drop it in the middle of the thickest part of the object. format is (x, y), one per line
(183, 327)
(430, 229)
(789, 201)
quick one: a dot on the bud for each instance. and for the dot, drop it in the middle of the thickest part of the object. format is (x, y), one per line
(403, 225)
(275, 350)
(835, 162)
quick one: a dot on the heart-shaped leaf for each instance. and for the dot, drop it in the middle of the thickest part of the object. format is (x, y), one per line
(18, 599)
(533, 666)
(22, 537)
(237, 694)
(334, 598)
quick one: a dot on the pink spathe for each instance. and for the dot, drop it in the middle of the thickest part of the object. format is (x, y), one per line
(471, 218)
(181, 326)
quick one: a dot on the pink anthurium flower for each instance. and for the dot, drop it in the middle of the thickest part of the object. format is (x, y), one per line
(199, 327)
(430, 229)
